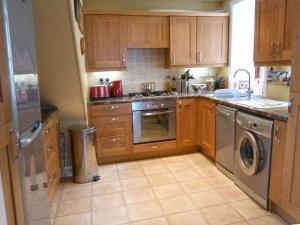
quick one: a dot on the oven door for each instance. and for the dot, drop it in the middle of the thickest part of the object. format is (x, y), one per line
(154, 125)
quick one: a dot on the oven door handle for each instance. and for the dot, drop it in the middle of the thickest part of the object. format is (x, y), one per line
(156, 113)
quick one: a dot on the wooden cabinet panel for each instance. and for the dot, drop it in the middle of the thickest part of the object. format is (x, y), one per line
(106, 42)
(111, 110)
(147, 32)
(114, 145)
(266, 30)
(207, 127)
(278, 155)
(157, 146)
(182, 40)
(285, 29)
(212, 40)
(186, 127)
(113, 125)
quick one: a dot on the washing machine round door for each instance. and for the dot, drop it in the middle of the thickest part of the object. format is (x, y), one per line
(248, 153)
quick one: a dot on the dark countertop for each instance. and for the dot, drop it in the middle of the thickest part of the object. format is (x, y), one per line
(270, 113)
(47, 113)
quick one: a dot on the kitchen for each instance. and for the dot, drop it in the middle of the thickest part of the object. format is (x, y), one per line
(144, 75)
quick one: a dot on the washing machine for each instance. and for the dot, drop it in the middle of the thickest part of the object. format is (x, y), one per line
(253, 156)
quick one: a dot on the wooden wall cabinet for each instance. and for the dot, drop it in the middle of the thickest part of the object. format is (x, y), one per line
(212, 40)
(147, 32)
(273, 31)
(52, 155)
(182, 40)
(114, 129)
(199, 41)
(106, 42)
(186, 126)
(207, 127)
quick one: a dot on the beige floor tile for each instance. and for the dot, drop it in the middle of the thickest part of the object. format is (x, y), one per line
(219, 181)
(176, 204)
(178, 166)
(186, 175)
(76, 192)
(71, 184)
(210, 171)
(232, 193)
(249, 209)
(108, 176)
(111, 216)
(107, 201)
(240, 223)
(53, 209)
(150, 170)
(128, 165)
(132, 173)
(151, 162)
(207, 198)
(105, 188)
(159, 179)
(145, 210)
(172, 159)
(78, 219)
(134, 183)
(221, 215)
(156, 221)
(57, 196)
(139, 195)
(107, 168)
(267, 220)
(74, 206)
(195, 186)
(187, 218)
(168, 190)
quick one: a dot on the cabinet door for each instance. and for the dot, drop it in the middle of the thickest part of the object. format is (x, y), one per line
(285, 29)
(212, 40)
(147, 32)
(186, 117)
(182, 40)
(278, 154)
(207, 127)
(266, 30)
(106, 42)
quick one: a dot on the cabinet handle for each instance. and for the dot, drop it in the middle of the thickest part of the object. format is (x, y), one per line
(114, 107)
(278, 48)
(47, 131)
(290, 106)
(180, 105)
(123, 59)
(199, 58)
(272, 45)
(155, 147)
(115, 139)
(276, 136)
(174, 57)
(50, 148)
(114, 118)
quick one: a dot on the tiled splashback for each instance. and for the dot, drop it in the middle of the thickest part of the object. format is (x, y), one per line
(148, 65)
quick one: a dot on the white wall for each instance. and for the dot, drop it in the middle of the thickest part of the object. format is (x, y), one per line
(2, 207)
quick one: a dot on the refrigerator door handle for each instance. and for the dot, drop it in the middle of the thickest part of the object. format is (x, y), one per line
(29, 135)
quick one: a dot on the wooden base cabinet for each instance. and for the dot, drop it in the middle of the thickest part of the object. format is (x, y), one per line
(113, 124)
(207, 127)
(52, 155)
(186, 117)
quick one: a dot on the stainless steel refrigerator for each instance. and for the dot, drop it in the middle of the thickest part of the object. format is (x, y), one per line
(17, 19)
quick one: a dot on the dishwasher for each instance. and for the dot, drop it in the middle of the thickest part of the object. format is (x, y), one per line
(225, 139)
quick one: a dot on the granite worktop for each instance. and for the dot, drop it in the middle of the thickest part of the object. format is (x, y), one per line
(270, 113)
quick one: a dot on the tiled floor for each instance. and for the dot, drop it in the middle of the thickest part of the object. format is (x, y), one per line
(178, 190)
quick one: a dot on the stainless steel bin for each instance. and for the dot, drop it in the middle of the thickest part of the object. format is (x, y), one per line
(85, 166)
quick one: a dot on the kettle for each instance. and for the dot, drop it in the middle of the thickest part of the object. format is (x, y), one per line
(116, 89)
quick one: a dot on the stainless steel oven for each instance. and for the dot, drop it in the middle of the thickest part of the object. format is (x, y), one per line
(154, 121)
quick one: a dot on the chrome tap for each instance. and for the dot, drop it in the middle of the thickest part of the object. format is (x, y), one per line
(249, 91)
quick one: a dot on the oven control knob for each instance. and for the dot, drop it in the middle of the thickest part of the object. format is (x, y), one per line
(162, 105)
